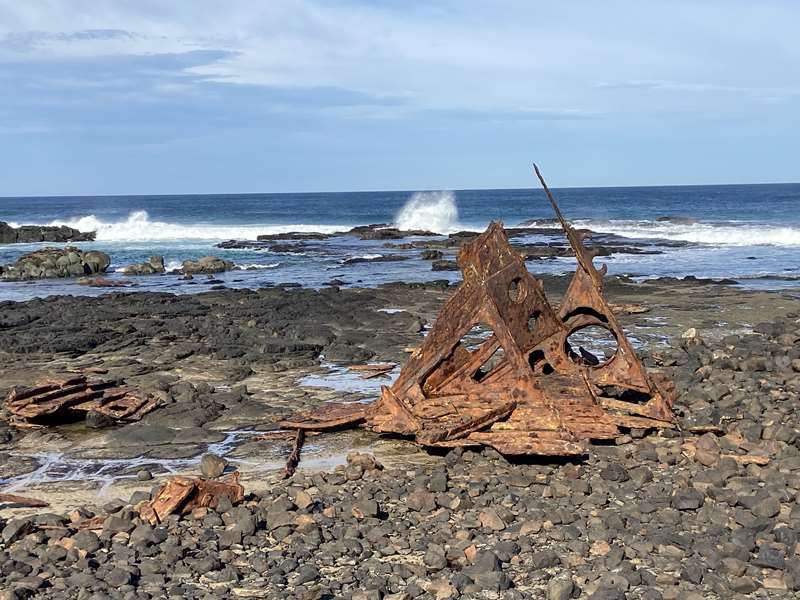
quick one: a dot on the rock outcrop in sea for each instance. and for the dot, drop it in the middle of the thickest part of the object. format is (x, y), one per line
(152, 266)
(28, 234)
(207, 264)
(50, 263)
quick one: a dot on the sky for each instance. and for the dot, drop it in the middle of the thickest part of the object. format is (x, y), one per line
(201, 96)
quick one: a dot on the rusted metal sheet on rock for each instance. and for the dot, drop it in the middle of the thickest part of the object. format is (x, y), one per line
(523, 389)
(329, 416)
(181, 495)
(63, 400)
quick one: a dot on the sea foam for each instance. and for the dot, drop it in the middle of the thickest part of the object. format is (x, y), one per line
(139, 227)
(716, 234)
(429, 211)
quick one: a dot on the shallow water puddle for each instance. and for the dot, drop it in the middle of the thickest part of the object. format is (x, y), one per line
(341, 379)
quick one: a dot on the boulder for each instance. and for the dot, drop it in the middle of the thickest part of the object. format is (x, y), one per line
(153, 265)
(50, 263)
(207, 264)
(8, 235)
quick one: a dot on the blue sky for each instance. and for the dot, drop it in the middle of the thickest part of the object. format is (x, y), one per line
(188, 96)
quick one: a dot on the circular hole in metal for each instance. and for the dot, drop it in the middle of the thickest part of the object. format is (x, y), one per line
(592, 345)
(516, 290)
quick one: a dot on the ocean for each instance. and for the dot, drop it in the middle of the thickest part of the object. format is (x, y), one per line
(750, 233)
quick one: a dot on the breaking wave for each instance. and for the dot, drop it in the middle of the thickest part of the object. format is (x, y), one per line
(718, 234)
(248, 266)
(139, 227)
(429, 211)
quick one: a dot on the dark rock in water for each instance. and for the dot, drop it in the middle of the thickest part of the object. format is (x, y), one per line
(431, 255)
(29, 234)
(292, 235)
(56, 262)
(153, 265)
(381, 231)
(444, 265)
(374, 259)
(677, 220)
(207, 264)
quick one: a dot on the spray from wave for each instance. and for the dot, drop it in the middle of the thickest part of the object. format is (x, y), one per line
(429, 211)
(138, 227)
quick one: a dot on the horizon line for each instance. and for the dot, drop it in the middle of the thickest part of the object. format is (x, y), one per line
(410, 191)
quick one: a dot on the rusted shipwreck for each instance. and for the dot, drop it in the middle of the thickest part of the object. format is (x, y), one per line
(524, 390)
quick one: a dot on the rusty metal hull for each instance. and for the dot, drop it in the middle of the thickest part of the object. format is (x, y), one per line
(523, 389)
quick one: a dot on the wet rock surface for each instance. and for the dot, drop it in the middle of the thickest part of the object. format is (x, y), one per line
(709, 513)
(50, 263)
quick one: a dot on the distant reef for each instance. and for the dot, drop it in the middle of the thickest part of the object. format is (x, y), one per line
(28, 234)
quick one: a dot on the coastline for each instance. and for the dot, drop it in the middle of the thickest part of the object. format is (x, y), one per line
(247, 353)
(232, 362)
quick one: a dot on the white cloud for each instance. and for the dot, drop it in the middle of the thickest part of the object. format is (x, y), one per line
(444, 55)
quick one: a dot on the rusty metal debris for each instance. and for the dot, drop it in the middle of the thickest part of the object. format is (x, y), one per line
(63, 400)
(372, 371)
(517, 385)
(294, 455)
(15, 500)
(181, 495)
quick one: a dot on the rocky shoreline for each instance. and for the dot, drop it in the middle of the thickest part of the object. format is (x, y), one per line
(709, 511)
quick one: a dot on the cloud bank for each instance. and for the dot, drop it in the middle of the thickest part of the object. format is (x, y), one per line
(393, 94)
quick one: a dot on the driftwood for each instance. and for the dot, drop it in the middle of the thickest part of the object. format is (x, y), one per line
(519, 386)
(181, 495)
(64, 400)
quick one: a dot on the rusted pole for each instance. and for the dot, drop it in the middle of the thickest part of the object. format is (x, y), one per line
(294, 455)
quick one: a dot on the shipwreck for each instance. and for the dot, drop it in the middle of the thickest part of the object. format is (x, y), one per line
(523, 390)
